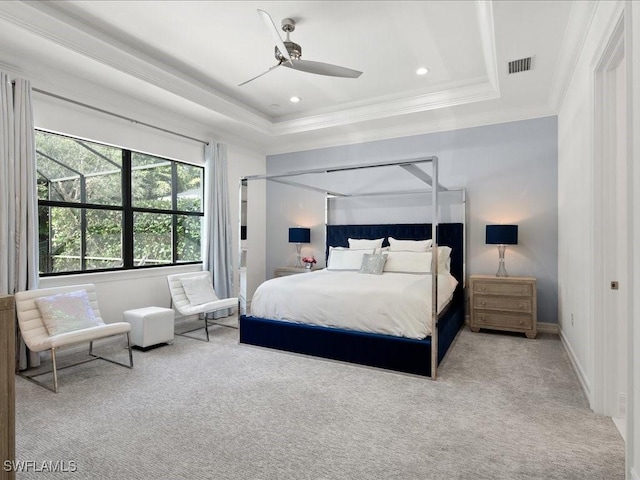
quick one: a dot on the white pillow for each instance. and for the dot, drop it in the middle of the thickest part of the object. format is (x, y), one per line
(409, 245)
(408, 262)
(198, 289)
(66, 312)
(346, 259)
(360, 243)
(444, 258)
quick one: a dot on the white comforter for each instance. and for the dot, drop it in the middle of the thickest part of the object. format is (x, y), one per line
(396, 304)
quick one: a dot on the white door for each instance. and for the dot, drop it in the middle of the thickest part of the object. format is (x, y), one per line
(618, 290)
(611, 230)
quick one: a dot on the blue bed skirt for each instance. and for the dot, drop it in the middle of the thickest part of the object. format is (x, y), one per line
(375, 350)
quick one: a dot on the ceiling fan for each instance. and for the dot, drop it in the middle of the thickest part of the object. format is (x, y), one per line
(288, 53)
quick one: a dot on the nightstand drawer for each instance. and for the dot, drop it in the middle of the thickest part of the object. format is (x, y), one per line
(509, 304)
(503, 288)
(503, 320)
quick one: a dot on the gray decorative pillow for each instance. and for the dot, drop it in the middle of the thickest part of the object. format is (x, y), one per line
(373, 263)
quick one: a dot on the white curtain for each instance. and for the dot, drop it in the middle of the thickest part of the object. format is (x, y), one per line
(216, 244)
(18, 198)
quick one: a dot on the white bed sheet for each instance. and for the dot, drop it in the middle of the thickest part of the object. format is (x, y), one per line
(396, 304)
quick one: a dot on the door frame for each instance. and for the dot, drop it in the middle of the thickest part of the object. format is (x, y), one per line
(604, 398)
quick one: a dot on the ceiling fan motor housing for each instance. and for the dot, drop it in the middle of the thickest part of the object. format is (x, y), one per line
(295, 51)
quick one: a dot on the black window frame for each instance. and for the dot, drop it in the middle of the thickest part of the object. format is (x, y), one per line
(128, 212)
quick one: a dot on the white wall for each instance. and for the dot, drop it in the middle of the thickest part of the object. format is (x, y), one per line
(576, 251)
(508, 170)
(119, 291)
(632, 45)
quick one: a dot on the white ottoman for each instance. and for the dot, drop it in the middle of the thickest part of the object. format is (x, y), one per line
(150, 325)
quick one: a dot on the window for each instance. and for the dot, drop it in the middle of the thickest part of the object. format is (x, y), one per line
(102, 207)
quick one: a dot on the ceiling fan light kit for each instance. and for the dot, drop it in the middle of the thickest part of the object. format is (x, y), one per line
(288, 53)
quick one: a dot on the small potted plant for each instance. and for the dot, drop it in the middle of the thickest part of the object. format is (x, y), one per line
(309, 261)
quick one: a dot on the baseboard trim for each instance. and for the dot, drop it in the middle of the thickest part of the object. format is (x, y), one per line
(552, 328)
(584, 383)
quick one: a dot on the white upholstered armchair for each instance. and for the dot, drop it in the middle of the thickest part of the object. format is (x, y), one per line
(52, 318)
(193, 294)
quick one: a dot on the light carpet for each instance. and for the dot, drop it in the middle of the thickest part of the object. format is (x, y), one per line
(504, 407)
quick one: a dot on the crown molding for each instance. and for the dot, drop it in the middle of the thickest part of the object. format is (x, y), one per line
(580, 20)
(486, 89)
(488, 39)
(56, 23)
(420, 127)
(11, 69)
(77, 36)
(65, 85)
(420, 103)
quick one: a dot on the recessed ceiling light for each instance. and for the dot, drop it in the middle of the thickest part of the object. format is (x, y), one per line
(422, 71)
(294, 99)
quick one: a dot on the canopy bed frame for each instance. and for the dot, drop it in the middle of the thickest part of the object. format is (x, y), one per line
(415, 356)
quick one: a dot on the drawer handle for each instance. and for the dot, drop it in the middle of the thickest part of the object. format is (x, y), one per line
(483, 288)
(483, 303)
(520, 322)
(520, 305)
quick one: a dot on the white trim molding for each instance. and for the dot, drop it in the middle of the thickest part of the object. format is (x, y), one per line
(582, 14)
(546, 327)
(57, 23)
(582, 378)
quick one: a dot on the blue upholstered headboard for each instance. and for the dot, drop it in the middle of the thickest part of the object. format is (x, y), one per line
(449, 234)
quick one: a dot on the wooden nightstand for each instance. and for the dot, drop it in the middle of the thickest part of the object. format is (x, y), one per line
(284, 271)
(503, 303)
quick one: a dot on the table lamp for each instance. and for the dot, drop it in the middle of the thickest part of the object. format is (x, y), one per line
(299, 235)
(501, 235)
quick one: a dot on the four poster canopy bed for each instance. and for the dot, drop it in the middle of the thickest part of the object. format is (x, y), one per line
(392, 294)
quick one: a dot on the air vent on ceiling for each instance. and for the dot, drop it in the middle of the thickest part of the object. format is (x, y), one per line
(521, 65)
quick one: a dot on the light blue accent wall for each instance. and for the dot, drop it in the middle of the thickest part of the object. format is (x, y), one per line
(509, 171)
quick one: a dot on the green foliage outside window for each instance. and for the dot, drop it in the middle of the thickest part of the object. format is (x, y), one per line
(82, 209)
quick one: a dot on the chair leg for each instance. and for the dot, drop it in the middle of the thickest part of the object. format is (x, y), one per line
(55, 370)
(207, 324)
(129, 347)
(206, 329)
(114, 361)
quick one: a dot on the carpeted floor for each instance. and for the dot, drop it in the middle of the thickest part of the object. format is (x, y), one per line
(504, 407)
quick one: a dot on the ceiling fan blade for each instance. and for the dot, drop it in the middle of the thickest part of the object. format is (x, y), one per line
(258, 76)
(322, 69)
(268, 21)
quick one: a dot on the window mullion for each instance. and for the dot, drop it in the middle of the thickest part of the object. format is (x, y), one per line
(174, 217)
(83, 223)
(127, 217)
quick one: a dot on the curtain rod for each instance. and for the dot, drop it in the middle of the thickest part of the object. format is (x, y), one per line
(122, 117)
